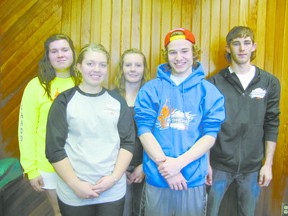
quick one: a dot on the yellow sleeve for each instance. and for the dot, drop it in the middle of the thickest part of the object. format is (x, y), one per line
(27, 128)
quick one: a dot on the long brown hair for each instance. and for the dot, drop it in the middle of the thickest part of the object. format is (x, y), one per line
(46, 72)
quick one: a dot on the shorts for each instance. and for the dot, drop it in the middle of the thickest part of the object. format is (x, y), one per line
(49, 179)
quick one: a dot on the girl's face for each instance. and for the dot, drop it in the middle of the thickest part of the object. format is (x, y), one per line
(60, 55)
(93, 68)
(133, 67)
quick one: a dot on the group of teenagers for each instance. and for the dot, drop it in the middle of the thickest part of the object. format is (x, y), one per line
(153, 147)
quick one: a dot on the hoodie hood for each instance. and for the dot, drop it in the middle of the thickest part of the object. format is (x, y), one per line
(164, 72)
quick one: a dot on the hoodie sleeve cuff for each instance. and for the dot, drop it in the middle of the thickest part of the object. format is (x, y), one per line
(33, 174)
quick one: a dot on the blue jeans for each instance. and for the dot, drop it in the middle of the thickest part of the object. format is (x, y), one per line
(248, 192)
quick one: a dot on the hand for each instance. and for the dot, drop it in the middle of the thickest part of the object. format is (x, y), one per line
(209, 179)
(137, 175)
(84, 190)
(169, 168)
(159, 161)
(177, 182)
(104, 184)
(128, 178)
(265, 176)
(37, 183)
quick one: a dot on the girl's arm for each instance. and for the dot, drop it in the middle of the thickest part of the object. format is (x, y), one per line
(83, 189)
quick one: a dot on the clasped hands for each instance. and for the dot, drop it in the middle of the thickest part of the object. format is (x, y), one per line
(170, 169)
(86, 190)
(136, 176)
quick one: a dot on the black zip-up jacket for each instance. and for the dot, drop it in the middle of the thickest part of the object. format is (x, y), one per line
(252, 117)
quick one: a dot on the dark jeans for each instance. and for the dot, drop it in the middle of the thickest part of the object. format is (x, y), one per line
(248, 192)
(104, 209)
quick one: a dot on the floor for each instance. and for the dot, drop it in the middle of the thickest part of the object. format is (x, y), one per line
(18, 198)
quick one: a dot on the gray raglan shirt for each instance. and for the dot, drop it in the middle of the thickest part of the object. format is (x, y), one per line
(89, 129)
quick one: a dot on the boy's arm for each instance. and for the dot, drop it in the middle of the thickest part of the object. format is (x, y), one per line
(152, 148)
(155, 152)
(173, 166)
(265, 175)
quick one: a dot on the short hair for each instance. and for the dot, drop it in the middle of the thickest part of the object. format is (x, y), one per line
(239, 32)
(195, 49)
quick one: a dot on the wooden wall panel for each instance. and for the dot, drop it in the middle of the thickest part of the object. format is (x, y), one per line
(143, 24)
(270, 35)
(224, 28)
(261, 30)
(21, 45)
(166, 21)
(196, 15)
(214, 35)
(204, 37)
(156, 42)
(116, 36)
(96, 7)
(175, 12)
(7, 15)
(135, 24)
(145, 30)
(126, 25)
(278, 58)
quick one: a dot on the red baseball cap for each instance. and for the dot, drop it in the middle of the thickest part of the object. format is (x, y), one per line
(187, 35)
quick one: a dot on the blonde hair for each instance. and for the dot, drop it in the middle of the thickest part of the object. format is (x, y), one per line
(95, 47)
(92, 47)
(119, 79)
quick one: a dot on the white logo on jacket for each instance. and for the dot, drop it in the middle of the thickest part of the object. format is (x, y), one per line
(177, 119)
(258, 93)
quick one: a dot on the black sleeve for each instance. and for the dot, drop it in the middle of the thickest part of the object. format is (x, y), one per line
(271, 123)
(126, 127)
(57, 129)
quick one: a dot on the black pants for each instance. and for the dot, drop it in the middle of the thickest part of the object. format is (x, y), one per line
(104, 209)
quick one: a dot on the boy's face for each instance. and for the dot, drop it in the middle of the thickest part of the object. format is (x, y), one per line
(241, 50)
(180, 57)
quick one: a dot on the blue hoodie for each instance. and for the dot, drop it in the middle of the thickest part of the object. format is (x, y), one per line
(178, 116)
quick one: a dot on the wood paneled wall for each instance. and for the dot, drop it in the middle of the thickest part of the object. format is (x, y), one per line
(143, 24)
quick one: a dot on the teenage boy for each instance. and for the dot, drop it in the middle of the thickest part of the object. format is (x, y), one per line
(250, 131)
(178, 116)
